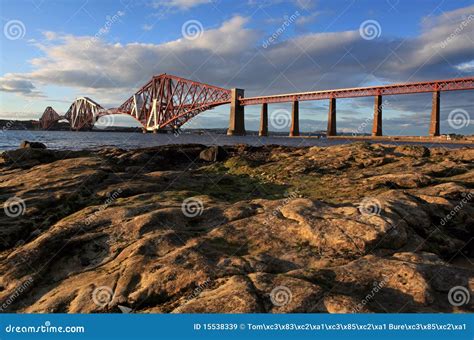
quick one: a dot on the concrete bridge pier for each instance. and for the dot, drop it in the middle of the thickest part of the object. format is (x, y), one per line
(332, 118)
(377, 127)
(236, 122)
(434, 124)
(263, 132)
(295, 119)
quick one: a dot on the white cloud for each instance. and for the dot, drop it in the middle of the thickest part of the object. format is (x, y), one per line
(307, 19)
(13, 83)
(179, 4)
(85, 63)
(228, 55)
(305, 4)
(466, 67)
(232, 56)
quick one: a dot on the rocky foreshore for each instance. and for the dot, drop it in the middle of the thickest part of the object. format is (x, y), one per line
(190, 229)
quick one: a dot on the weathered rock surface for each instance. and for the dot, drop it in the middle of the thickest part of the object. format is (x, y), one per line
(343, 229)
(212, 154)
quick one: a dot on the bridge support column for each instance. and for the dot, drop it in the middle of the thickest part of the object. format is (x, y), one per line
(377, 127)
(332, 118)
(236, 123)
(295, 119)
(264, 121)
(434, 124)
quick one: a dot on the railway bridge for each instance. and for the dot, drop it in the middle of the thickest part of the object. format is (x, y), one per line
(168, 101)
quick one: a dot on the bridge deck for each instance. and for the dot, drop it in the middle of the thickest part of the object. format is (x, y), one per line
(394, 89)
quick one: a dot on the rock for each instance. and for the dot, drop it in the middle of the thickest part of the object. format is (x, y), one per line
(327, 235)
(223, 299)
(376, 161)
(240, 236)
(34, 145)
(406, 180)
(213, 154)
(286, 294)
(413, 150)
(337, 303)
(29, 157)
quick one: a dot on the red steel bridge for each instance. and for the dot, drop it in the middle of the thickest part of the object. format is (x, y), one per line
(168, 101)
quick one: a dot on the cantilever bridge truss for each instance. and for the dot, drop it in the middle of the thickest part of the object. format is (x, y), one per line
(48, 118)
(168, 101)
(165, 101)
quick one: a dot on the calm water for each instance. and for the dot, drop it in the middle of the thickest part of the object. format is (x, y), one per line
(70, 140)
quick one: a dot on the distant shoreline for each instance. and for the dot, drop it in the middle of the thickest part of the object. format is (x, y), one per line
(28, 125)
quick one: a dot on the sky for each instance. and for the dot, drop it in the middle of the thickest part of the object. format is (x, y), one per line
(54, 51)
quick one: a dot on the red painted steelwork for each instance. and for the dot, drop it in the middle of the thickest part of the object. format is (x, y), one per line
(48, 118)
(168, 100)
(165, 101)
(420, 87)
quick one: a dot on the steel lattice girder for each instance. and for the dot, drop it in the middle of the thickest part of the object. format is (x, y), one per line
(421, 87)
(168, 100)
(165, 100)
(48, 118)
(83, 113)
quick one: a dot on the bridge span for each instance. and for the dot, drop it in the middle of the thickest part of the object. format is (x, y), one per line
(165, 101)
(236, 126)
(168, 101)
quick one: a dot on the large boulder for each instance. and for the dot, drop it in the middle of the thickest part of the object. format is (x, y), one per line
(34, 145)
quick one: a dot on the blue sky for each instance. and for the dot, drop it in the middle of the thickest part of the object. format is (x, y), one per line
(59, 52)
